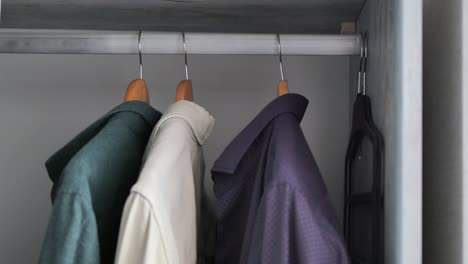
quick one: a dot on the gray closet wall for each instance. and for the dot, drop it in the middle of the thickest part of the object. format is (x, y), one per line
(46, 99)
(445, 133)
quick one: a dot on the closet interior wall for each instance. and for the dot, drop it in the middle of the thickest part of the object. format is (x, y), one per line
(47, 99)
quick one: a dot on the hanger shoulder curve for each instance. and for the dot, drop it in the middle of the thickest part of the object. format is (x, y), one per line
(184, 91)
(137, 91)
(283, 88)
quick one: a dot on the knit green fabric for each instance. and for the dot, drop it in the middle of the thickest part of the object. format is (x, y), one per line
(92, 176)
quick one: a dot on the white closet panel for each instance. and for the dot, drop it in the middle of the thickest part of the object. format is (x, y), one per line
(395, 89)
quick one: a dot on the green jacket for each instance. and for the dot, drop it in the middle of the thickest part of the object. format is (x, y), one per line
(92, 177)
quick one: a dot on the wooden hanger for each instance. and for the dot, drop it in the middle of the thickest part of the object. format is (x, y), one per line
(184, 89)
(283, 84)
(283, 88)
(137, 90)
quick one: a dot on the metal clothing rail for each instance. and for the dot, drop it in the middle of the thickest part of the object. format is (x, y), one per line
(125, 42)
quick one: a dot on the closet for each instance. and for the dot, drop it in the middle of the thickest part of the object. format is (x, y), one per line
(64, 64)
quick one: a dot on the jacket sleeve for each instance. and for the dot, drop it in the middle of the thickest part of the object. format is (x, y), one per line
(294, 233)
(71, 236)
(140, 239)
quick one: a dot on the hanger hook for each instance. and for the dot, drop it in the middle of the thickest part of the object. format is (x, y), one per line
(361, 56)
(185, 56)
(362, 65)
(280, 55)
(139, 54)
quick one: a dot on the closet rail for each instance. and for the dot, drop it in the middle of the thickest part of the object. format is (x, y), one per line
(125, 42)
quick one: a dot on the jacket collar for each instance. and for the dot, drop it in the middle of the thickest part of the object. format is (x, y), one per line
(196, 116)
(289, 103)
(57, 162)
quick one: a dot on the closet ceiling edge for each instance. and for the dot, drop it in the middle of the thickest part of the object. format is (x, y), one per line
(297, 16)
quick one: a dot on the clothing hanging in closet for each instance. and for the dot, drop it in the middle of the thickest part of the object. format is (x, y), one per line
(165, 216)
(92, 175)
(272, 203)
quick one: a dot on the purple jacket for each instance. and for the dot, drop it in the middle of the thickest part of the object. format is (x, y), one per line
(272, 203)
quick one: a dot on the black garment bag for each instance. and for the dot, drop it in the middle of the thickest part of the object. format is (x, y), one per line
(364, 192)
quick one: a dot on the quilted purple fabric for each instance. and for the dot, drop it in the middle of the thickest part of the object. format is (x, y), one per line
(272, 203)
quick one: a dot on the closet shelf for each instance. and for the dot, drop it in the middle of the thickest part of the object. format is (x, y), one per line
(235, 16)
(125, 42)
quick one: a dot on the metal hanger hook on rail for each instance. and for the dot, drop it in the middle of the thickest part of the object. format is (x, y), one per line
(280, 56)
(362, 78)
(185, 56)
(364, 70)
(139, 54)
